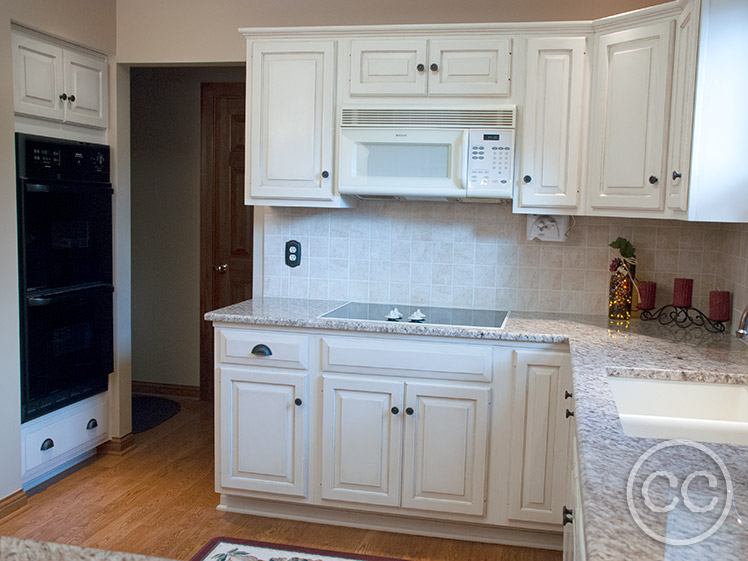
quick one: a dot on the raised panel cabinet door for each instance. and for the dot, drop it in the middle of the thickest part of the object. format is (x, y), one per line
(551, 149)
(291, 120)
(540, 433)
(86, 87)
(446, 440)
(681, 117)
(263, 431)
(628, 141)
(469, 67)
(37, 78)
(389, 67)
(362, 440)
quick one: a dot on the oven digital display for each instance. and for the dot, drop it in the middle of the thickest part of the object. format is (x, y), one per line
(491, 137)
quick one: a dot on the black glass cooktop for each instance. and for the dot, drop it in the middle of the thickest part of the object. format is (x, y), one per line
(413, 314)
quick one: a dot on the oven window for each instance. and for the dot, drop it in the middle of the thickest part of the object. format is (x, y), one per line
(374, 159)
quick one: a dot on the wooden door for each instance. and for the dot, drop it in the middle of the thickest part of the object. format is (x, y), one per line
(263, 422)
(225, 221)
(445, 446)
(361, 440)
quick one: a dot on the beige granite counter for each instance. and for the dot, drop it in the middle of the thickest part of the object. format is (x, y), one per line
(15, 549)
(607, 455)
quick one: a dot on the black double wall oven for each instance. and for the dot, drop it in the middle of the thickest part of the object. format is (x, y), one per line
(65, 271)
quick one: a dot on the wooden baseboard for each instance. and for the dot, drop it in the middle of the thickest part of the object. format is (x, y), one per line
(13, 502)
(175, 390)
(118, 445)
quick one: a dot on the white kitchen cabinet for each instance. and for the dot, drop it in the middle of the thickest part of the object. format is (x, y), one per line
(430, 67)
(263, 430)
(540, 436)
(573, 517)
(59, 83)
(551, 169)
(291, 123)
(630, 108)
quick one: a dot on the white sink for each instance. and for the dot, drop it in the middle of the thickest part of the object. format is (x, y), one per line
(682, 410)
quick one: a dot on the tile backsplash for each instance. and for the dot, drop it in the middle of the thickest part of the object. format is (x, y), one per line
(477, 255)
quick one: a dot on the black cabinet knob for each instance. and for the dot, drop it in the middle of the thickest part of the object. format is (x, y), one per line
(567, 395)
(568, 516)
(72, 99)
(298, 401)
(261, 350)
(434, 67)
(569, 413)
(420, 68)
(409, 411)
(676, 175)
(63, 96)
(47, 444)
(92, 424)
(653, 179)
(527, 178)
(325, 174)
(395, 410)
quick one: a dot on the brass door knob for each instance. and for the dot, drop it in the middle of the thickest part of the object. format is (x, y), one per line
(221, 268)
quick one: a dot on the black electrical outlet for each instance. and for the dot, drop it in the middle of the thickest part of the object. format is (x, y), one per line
(293, 253)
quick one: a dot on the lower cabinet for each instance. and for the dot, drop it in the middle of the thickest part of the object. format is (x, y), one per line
(420, 445)
(573, 515)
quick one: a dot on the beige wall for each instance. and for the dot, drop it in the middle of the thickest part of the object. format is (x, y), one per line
(199, 31)
(90, 23)
(165, 187)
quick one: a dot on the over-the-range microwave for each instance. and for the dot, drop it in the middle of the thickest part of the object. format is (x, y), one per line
(426, 152)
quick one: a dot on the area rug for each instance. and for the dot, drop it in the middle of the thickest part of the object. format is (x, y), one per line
(149, 411)
(233, 549)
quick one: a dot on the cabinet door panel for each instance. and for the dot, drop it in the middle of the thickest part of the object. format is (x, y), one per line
(263, 440)
(630, 126)
(388, 67)
(361, 440)
(444, 465)
(469, 66)
(551, 151)
(86, 79)
(540, 437)
(37, 78)
(291, 108)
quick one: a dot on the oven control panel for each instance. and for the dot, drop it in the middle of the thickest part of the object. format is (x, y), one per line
(490, 158)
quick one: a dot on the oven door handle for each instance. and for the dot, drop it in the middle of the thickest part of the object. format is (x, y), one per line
(39, 301)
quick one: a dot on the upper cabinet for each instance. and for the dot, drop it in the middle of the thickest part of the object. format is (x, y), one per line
(56, 82)
(430, 67)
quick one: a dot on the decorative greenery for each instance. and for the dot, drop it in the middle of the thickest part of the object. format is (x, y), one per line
(626, 249)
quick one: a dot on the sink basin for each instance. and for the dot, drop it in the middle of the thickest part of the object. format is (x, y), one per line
(670, 409)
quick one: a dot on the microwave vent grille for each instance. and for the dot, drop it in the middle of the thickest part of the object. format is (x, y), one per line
(503, 117)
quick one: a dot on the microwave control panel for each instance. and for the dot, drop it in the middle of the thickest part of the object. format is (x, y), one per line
(490, 168)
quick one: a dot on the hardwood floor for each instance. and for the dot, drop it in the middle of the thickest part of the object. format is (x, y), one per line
(159, 500)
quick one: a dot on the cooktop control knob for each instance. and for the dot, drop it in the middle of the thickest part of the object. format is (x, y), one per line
(417, 316)
(394, 315)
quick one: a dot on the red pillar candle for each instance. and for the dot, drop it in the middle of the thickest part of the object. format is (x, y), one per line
(647, 293)
(682, 293)
(719, 305)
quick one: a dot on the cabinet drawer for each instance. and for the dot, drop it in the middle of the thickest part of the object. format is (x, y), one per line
(252, 347)
(67, 429)
(407, 358)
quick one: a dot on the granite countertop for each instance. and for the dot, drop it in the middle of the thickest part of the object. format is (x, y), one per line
(15, 549)
(607, 456)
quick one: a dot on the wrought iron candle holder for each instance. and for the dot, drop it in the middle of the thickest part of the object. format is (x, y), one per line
(683, 317)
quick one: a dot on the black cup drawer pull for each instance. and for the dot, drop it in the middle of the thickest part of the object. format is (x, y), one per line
(47, 444)
(261, 350)
(92, 424)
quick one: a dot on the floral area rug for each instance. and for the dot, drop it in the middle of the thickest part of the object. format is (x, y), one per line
(232, 549)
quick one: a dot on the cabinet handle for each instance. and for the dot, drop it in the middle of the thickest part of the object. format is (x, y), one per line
(92, 424)
(653, 179)
(325, 174)
(261, 350)
(676, 175)
(395, 410)
(567, 395)
(569, 413)
(72, 99)
(409, 411)
(434, 67)
(47, 444)
(420, 68)
(527, 178)
(221, 268)
(298, 401)
(568, 517)
(63, 96)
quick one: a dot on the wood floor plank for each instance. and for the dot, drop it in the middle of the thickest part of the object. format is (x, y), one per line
(159, 500)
